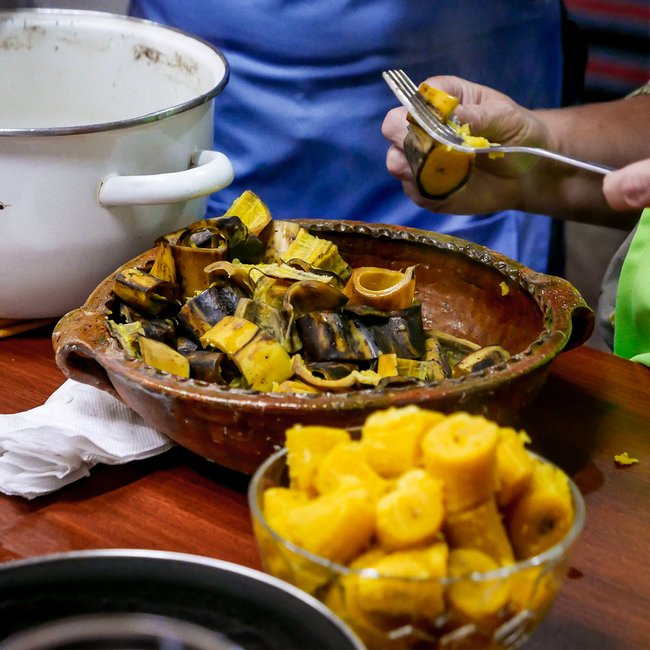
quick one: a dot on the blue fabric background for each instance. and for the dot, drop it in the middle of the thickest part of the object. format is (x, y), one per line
(301, 115)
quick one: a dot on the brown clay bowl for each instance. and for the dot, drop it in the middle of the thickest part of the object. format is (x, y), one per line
(460, 285)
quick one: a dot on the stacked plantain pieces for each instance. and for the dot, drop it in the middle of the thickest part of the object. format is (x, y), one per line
(246, 301)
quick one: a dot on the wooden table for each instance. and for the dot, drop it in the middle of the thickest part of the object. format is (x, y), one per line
(593, 406)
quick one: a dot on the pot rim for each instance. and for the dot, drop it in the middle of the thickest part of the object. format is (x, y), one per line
(130, 122)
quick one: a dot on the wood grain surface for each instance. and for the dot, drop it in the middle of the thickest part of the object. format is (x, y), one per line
(592, 407)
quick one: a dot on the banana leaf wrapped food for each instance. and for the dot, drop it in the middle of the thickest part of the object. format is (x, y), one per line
(250, 302)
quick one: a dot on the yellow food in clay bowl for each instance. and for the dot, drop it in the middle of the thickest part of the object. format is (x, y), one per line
(424, 530)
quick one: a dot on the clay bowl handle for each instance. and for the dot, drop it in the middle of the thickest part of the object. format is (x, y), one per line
(562, 302)
(80, 338)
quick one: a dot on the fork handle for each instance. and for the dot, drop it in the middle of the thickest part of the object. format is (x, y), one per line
(589, 166)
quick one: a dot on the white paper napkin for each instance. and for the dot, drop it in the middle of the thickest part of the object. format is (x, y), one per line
(79, 426)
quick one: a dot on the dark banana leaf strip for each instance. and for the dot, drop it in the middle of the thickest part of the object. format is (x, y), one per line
(127, 335)
(205, 309)
(161, 329)
(270, 319)
(331, 370)
(327, 276)
(203, 234)
(233, 272)
(398, 380)
(206, 365)
(482, 359)
(400, 331)
(335, 336)
(307, 296)
(242, 245)
(164, 266)
(313, 376)
(455, 347)
(186, 345)
(143, 291)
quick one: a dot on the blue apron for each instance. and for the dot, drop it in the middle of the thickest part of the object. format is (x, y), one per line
(301, 116)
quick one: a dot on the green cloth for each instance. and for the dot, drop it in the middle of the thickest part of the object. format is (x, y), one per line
(632, 316)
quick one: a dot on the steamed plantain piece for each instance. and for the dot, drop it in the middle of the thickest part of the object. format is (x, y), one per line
(251, 210)
(163, 357)
(143, 291)
(482, 359)
(387, 365)
(355, 379)
(205, 309)
(281, 236)
(190, 264)
(442, 103)
(439, 171)
(127, 335)
(400, 331)
(543, 514)
(318, 253)
(261, 360)
(480, 528)
(435, 354)
(207, 241)
(164, 266)
(381, 288)
(421, 370)
(294, 386)
(335, 336)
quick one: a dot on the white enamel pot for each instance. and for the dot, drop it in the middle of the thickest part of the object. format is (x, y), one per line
(106, 131)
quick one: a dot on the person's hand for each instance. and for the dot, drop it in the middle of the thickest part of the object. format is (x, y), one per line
(629, 187)
(494, 184)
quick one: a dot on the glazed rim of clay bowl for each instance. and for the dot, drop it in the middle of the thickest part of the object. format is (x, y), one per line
(81, 339)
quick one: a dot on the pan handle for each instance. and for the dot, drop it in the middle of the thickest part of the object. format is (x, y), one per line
(209, 172)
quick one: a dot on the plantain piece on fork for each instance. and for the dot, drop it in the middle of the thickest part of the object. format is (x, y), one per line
(435, 135)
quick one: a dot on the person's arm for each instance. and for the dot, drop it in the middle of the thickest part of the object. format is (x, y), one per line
(611, 133)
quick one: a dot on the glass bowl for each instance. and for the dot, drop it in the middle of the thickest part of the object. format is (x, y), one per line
(495, 609)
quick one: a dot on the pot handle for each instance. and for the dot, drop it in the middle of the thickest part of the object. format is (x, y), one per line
(209, 171)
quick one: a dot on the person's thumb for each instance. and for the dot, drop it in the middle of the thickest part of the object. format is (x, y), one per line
(629, 188)
(476, 116)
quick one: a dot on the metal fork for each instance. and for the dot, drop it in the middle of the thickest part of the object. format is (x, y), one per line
(408, 95)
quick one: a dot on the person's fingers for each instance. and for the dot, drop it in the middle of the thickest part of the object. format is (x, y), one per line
(629, 188)
(394, 127)
(397, 164)
(467, 92)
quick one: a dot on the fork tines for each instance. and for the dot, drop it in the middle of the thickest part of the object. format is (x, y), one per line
(409, 96)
